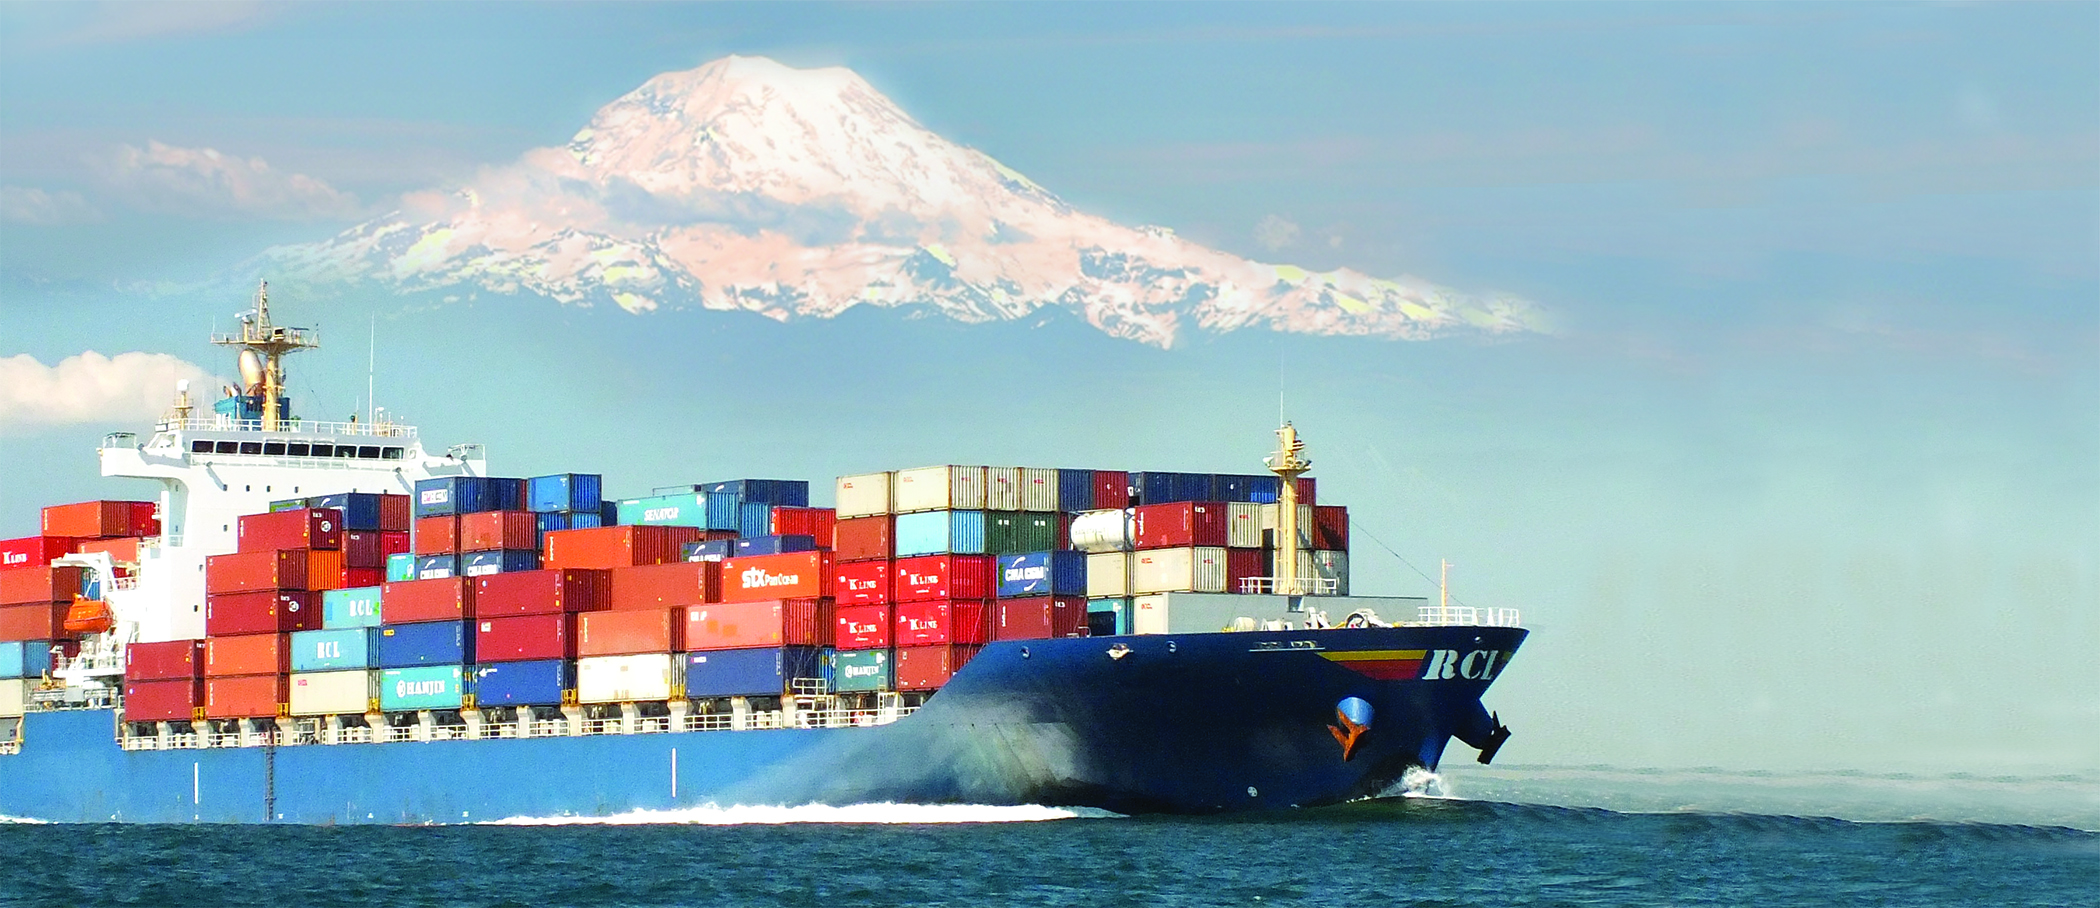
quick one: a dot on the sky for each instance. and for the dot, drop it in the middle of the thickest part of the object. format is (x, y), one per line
(1805, 473)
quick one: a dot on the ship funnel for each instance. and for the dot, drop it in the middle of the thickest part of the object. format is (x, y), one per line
(251, 371)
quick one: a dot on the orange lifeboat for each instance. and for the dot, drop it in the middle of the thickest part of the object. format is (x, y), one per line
(88, 616)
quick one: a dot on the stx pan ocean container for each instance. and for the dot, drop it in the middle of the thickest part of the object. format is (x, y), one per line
(797, 575)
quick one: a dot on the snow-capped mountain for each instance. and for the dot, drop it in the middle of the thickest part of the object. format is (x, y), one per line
(746, 184)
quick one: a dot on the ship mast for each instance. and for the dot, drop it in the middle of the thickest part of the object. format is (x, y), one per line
(1288, 464)
(270, 343)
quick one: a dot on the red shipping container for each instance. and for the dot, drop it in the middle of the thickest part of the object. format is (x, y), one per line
(162, 700)
(931, 577)
(815, 522)
(929, 667)
(435, 535)
(488, 530)
(121, 549)
(164, 660)
(324, 570)
(861, 582)
(862, 538)
(33, 621)
(41, 584)
(950, 621)
(622, 546)
(411, 601)
(1111, 489)
(261, 612)
(396, 513)
(736, 625)
(539, 592)
(860, 627)
(1178, 524)
(247, 571)
(1308, 490)
(247, 654)
(628, 633)
(795, 575)
(1241, 564)
(101, 519)
(246, 697)
(34, 551)
(303, 528)
(524, 638)
(1038, 617)
(369, 548)
(1330, 527)
(357, 578)
(655, 586)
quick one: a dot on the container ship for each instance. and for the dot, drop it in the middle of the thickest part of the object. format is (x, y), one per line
(330, 622)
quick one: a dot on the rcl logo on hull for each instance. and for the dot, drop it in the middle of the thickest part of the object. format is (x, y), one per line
(1478, 665)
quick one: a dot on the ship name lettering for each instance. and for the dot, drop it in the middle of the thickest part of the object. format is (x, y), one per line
(757, 576)
(1478, 665)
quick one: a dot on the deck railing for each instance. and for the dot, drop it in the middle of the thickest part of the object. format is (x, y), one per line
(308, 731)
(1467, 616)
(300, 426)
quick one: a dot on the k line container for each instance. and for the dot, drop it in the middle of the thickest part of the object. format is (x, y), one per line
(171, 700)
(538, 683)
(863, 627)
(621, 679)
(244, 697)
(775, 545)
(1103, 531)
(307, 528)
(492, 530)
(331, 650)
(755, 672)
(861, 582)
(34, 621)
(435, 535)
(734, 625)
(540, 592)
(944, 488)
(864, 538)
(34, 551)
(408, 645)
(949, 621)
(1002, 488)
(629, 632)
(1054, 573)
(247, 654)
(101, 519)
(355, 607)
(164, 660)
(40, 584)
(24, 658)
(414, 601)
(864, 495)
(1039, 617)
(1199, 569)
(564, 492)
(336, 693)
(861, 670)
(1179, 524)
(616, 546)
(942, 577)
(424, 687)
(940, 532)
(1108, 574)
(525, 638)
(243, 572)
(266, 611)
(436, 567)
(929, 667)
(799, 575)
(660, 586)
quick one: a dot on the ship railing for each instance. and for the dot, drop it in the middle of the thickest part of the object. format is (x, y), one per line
(304, 426)
(10, 747)
(1467, 616)
(1298, 586)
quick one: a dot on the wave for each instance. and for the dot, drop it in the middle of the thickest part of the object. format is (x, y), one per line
(22, 821)
(858, 814)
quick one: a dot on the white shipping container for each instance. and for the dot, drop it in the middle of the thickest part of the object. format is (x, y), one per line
(948, 488)
(14, 697)
(1039, 490)
(1269, 514)
(1103, 531)
(1327, 564)
(1108, 575)
(1199, 569)
(865, 495)
(1002, 488)
(618, 679)
(1148, 615)
(332, 693)
(1243, 525)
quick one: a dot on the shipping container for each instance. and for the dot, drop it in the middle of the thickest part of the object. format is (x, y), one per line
(331, 693)
(685, 509)
(1039, 489)
(368, 511)
(1198, 569)
(40, 584)
(1243, 565)
(243, 697)
(97, 519)
(860, 626)
(946, 621)
(792, 493)
(864, 538)
(861, 670)
(754, 518)
(942, 577)
(943, 488)
(1111, 490)
(1075, 490)
(775, 545)
(306, 528)
(616, 546)
(491, 530)
(540, 592)
(783, 622)
(1243, 525)
(1015, 532)
(709, 550)
(770, 672)
(333, 650)
(437, 567)
(1148, 614)
(24, 658)
(1329, 567)
(798, 575)
(14, 697)
(243, 572)
(620, 679)
(324, 570)
(34, 551)
(122, 550)
(466, 495)
(400, 566)
(1330, 527)
(170, 700)
(525, 638)
(163, 660)
(861, 582)
(436, 535)
(564, 492)
(1178, 525)
(1154, 487)
(413, 601)
(1104, 530)
(262, 612)
(1002, 488)
(536, 683)
(865, 495)
(34, 621)
(507, 561)
(660, 586)
(626, 633)
(1269, 515)
(929, 667)
(370, 548)
(1108, 617)
(354, 578)
(432, 643)
(351, 607)
(1039, 617)
(422, 687)
(815, 523)
(1056, 573)
(940, 532)
(247, 654)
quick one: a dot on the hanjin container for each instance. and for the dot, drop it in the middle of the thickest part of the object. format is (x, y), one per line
(422, 687)
(861, 670)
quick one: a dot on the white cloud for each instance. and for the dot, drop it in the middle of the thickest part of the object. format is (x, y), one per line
(122, 22)
(29, 205)
(90, 387)
(1275, 232)
(204, 181)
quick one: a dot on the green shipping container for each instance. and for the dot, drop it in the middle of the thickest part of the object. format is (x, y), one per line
(423, 687)
(861, 669)
(400, 567)
(1119, 608)
(357, 607)
(1019, 532)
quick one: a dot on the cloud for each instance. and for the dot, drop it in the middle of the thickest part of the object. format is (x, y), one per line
(92, 388)
(122, 22)
(29, 205)
(1275, 232)
(204, 181)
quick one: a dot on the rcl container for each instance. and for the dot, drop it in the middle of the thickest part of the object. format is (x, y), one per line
(353, 607)
(247, 654)
(864, 495)
(101, 519)
(622, 679)
(940, 532)
(337, 693)
(436, 643)
(170, 700)
(538, 683)
(784, 622)
(489, 530)
(626, 633)
(436, 535)
(423, 687)
(861, 582)
(448, 599)
(861, 670)
(40, 584)
(540, 592)
(755, 672)
(164, 660)
(799, 575)
(244, 697)
(949, 621)
(861, 627)
(618, 546)
(942, 577)
(525, 638)
(864, 538)
(306, 528)
(1039, 617)
(1199, 569)
(1182, 523)
(1103, 531)
(660, 586)
(34, 551)
(941, 488)
(929, 667)
(261, 612)
(1041, 574)
(34, 621)
(244, 572)
(328, 650)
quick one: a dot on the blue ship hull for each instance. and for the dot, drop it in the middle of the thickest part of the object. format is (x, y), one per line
(1190, 723)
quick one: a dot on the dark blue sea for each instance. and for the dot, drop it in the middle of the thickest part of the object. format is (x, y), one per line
(1398, 852)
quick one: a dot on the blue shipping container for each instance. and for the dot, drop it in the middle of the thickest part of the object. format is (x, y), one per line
(1075, 490)
(754, 672)
(430, 643)
(466, 495)
(354, 607)
(940, 532)
(709, 550)
(754, 518)
(360, 509)
(725, 511)
(563, 492)
(1264, 489)
(436, 567)
(793, 493)
(500, 561)
(24, 658)
(331, 650)
(1041, 574)
(549, 521)
(773, 545)
(425, 687)
(538, 683)
(401, 566)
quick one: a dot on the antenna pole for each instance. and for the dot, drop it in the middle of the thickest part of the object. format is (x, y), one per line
(371, 366)
(1287, 464)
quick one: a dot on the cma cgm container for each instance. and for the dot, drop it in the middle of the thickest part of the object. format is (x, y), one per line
(942, 577)
(436, 567)
(355, 607)
(243, 572)
(861, 582)
(540, 592)
(92, 519)
(709, 550)
(799, 575)
(424, 687)
(863, 538)
(336, 693)
(616, 546)
(619, 679)
(409, 645)
(526, 638)
(1198, 569)
(862, 626)
(940, 532)
(264, 611)
(949, 621)
(660, 586)
(331, 650)
(243, 697)
(737, 625)
(929, 667)
(536, 683)
(944, 488)
(306, 528)
(861, 670)
(755, 672)
(170, 700)
(625, 633)
(1058, 573)
(164, 660)
(564, 492)
(446, 599)
(865, 495)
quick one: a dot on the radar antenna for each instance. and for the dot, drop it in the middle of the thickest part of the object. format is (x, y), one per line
(1288, 463)
(270, 344)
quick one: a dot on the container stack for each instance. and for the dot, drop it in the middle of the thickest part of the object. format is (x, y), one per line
(269, 587)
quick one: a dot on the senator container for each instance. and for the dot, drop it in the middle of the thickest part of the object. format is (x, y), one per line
(616, 546)
(435, 535)
(861, 582)
(863, 538)
(564, 492)
(101, 518)
(436, 567)
(307, 528)
(660, 586)
(756, 672)
(1198, 569)
(337, 693)
(169, 700)
(1014, 532)
(1103, 531)
(535, 683)
(1243, 525)
(621, 679)
(33, 621)
(685, 509)
(164, 660)
(25, 658)
(331, 650)
(798, 575)
(248, 571)
(1179, 524)
(929, 667)
(422, 687)
(524, 638)
(940, 532)
(629, 632)
(490, 530)
(861, 670)
(401, 566)
(243, 697)
(464, 495)
(540, 592)
(938, 489)
(735, 625)
(264, 611)
(482, 564)
(864, 495)
(942, 577)
(1056, 573)
(435, 643)
(947, 621)
(444, 599)
(860, 626)
(40, 584)
(34, 551)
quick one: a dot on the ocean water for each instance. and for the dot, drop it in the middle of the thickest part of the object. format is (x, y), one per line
(1393, 852)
